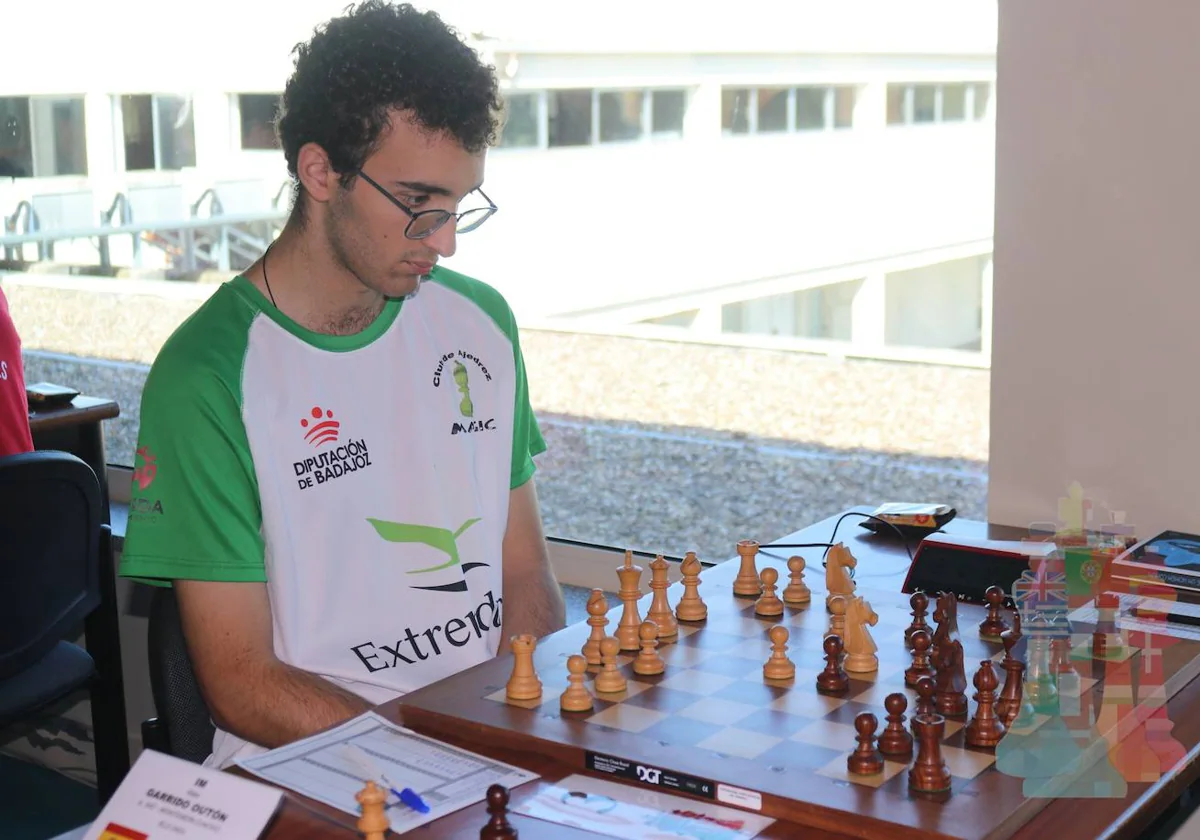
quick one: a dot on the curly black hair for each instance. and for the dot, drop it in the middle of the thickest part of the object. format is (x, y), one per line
(377, 57)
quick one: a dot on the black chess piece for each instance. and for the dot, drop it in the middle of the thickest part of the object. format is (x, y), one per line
(498, 826)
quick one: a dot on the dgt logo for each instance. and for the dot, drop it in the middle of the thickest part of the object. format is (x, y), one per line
(648, 774)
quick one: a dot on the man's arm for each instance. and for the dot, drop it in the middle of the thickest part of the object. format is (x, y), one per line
(249, 692)
(533, 601)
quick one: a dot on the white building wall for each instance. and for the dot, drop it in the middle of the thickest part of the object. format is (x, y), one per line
(936, 306)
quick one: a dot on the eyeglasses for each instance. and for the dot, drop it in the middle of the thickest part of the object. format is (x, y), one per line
(427, 222)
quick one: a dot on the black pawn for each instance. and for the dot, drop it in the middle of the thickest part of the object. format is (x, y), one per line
(896, 741)
(925, 702)
(834, 678)
(865, 760)
(920, 606)
(498, 827)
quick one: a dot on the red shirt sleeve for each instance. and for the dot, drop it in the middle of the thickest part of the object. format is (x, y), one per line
(14, 407)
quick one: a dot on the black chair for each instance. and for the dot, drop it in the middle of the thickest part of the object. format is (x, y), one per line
(183, 727)
(56, 570)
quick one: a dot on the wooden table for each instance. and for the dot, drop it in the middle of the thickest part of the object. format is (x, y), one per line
(882, 560)
(77, 428)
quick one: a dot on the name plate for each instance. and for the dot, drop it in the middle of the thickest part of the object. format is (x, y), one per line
(166, 797)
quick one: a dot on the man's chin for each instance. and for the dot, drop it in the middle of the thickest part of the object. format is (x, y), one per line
(403, 285)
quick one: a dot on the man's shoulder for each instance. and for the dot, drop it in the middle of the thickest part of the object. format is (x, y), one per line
(483, 295)
(207, 346)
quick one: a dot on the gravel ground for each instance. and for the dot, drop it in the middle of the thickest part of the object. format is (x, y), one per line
(656, 445)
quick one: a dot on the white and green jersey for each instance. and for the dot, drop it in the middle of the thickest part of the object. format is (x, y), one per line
(364, 478)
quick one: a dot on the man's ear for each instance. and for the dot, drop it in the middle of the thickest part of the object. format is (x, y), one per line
(315, 173)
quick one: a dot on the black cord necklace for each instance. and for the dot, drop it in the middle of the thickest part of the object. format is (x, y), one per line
(267, 282)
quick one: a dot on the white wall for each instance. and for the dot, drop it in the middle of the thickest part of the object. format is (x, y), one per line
(936, 305)
(1095, 342)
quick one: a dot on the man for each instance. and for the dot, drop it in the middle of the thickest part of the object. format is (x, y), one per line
(336, 451)
(14, 405)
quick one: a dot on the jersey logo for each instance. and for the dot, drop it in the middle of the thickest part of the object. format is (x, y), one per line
(466, 408)
(145, 472)
(322, 432)
(441, 539)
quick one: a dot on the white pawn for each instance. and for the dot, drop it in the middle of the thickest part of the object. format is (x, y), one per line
(576, 697)
(797, 591)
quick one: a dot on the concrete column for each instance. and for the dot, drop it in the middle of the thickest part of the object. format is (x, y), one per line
(703, 118)
(985, 300)
(868, 312)
(708, 320)
(213, 118)
(870, 106)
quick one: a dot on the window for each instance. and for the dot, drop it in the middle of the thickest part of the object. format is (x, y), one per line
(810, 107)
(42, 136)
(620, 115)
(667, 108)
(159, 132)
(570, 117)
(520, 121)
(257, 112)
(929, 103)
(735, 110)
(772, 109)
(767, 110)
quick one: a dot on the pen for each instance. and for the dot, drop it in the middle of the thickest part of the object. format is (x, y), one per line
(408, 796)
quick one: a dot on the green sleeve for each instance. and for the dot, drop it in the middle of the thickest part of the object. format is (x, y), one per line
(194, 512)
(527, 435)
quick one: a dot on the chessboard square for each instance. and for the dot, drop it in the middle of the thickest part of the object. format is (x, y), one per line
(716, 641)
(824, 733)
(806, 704)
(695, 682)
(679, 731)
(753, 649)
(685, 631)
(684, 656)
(730, 666)
(662, 699)
(549, 693)
(756, 692)
(966, 764)
(877, 691)
(838, 769)
(627, 718)
(716, 710)
(771, 722)
(632, 689)
(739, 743)
(884, 672)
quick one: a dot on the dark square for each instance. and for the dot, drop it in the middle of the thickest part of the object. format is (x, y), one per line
(681, 731)
(771, 722)
(662, 699)
(727, 666)
(798, 757)
(752, 693)
(710, 639)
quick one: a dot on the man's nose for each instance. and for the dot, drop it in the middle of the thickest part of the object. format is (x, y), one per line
(444, 240)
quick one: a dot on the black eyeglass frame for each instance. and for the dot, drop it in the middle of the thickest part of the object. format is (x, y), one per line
(446, 215)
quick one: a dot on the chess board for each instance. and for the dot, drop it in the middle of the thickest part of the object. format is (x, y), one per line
(713, 727)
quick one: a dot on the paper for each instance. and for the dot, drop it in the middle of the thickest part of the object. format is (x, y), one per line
(166, 797)
(334, 766)
(617, 810)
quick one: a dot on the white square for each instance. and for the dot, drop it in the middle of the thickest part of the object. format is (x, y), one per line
(741, 743)
(627, 718)
(696, 682)
(824, 733)
(717, 711)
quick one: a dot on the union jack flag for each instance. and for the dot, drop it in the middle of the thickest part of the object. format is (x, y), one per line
(1040, 595)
